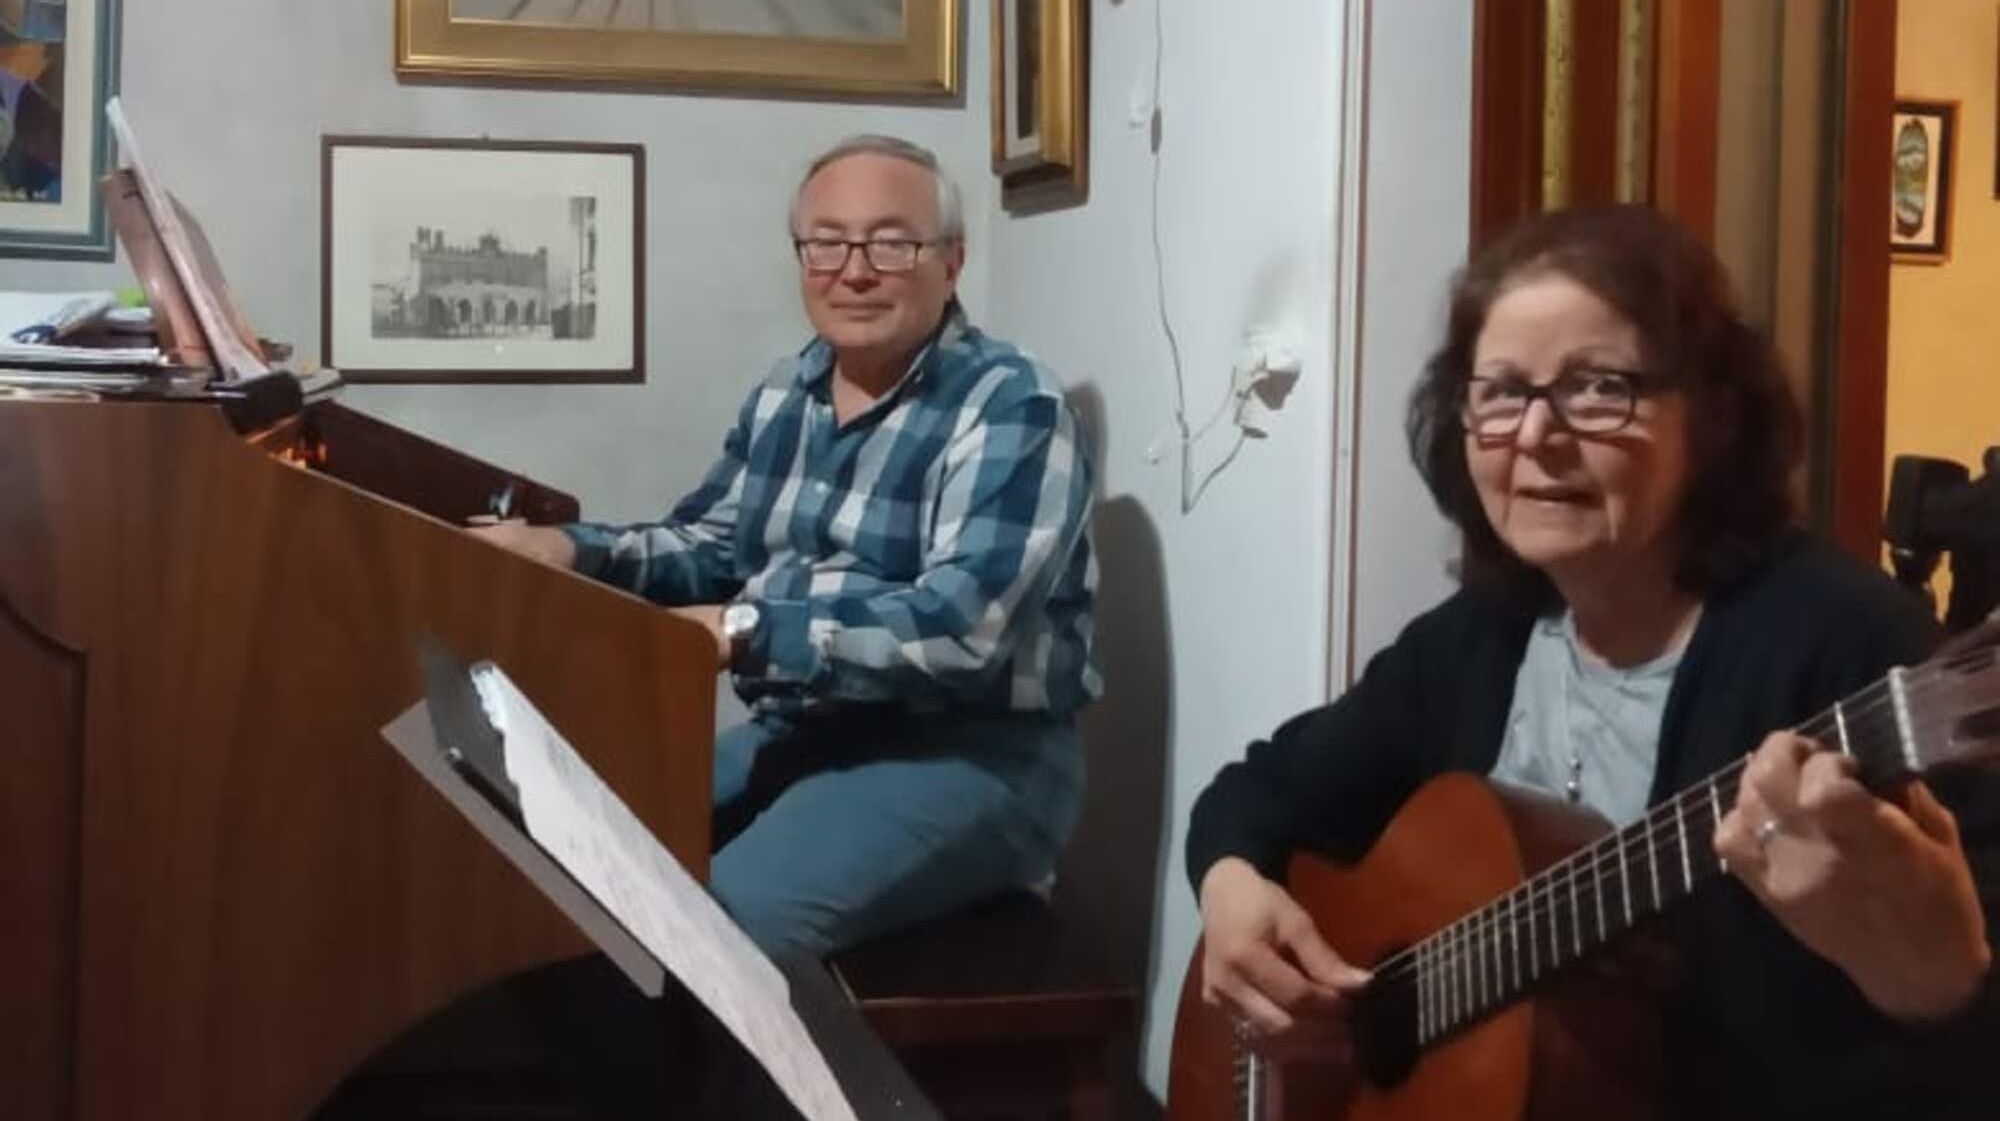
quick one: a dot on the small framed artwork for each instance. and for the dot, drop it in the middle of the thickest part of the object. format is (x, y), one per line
(1920, 195)
(482, 261)
(901, 49)
(58, 66)
(1041, 104)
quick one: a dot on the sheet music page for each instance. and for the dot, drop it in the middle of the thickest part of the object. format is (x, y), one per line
(235, 360)
(580, 821)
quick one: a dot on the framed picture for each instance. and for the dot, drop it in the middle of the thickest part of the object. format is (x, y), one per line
(1920, 196)
(1041, 104)
(58, 65)
(859, 48)
(482, 261)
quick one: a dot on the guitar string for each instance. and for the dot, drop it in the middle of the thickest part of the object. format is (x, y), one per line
(1524, 906)
(1538, 915)
(1873, 709)
(1526, 901)
(1523, 903)
(1473, 944)
(1469, 960)
(1871, 714)
(1469, 956)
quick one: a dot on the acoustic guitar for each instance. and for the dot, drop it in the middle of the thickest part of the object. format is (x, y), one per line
(1491, 996)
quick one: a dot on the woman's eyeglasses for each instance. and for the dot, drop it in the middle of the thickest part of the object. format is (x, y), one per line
(1588, 399)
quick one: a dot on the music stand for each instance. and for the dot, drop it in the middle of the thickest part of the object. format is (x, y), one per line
(448, 739)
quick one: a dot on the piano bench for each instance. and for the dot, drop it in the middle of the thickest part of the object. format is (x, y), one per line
(998, 1012)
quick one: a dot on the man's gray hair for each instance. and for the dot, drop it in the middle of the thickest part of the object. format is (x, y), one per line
(950, 210)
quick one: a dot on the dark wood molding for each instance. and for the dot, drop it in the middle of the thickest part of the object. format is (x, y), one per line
(1507, 62)
(1689, 98)
(43, 684)
(403, 467)
(1593, 117)
(1860, 330)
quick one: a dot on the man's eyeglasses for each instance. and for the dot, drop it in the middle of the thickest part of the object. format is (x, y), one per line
(883, 254)
(1588, 399)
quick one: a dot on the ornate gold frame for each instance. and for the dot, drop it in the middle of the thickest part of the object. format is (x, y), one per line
(1633, 168)
(429, 43)
(1058, 174)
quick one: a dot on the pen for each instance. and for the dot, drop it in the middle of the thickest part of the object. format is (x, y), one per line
(501, 504)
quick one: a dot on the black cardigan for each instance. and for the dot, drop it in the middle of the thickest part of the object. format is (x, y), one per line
(1763, 1027)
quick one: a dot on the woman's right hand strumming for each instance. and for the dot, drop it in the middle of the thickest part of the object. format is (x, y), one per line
(1265, 964)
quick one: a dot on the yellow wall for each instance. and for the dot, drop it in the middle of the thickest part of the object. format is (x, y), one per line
(1944, 320)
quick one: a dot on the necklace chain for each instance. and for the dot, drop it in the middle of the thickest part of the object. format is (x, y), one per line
(1572, 786)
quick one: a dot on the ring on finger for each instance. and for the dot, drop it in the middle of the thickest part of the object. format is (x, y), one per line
(1768, 829)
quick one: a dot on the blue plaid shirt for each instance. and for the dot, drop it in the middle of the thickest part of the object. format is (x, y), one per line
(933, 551)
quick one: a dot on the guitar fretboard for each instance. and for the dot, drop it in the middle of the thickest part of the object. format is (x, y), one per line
(1494, 955)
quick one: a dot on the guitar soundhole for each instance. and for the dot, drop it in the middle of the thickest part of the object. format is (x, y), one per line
(1385, 1029)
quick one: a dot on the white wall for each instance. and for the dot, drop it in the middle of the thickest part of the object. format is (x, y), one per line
(1214, 623)
(1417, 218)
(230, 99)
(1250, 171)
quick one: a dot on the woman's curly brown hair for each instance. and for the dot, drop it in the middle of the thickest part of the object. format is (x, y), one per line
(1744, 427)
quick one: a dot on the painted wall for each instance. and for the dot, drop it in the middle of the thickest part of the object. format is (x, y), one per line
(1216, 623)
(1216, 620)
(1416, 225)
(237, 137)
(1944, 388)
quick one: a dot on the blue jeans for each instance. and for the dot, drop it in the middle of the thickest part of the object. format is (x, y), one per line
(832, 828)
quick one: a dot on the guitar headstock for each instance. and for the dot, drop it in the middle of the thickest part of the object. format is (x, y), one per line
(1953, 700)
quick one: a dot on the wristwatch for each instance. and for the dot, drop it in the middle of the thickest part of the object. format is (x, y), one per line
(739, 622)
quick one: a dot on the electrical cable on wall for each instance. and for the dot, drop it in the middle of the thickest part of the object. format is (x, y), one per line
(1272, 359)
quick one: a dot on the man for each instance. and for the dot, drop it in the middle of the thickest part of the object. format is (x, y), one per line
(892, 557)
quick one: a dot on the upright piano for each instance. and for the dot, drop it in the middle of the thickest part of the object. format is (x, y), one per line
(220, 890)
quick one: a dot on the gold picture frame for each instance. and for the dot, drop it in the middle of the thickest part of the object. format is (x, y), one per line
(506, 42)
(1041, 102)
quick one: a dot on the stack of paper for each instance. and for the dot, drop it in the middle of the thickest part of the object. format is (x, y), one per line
(31, 323)
(44, 317)
(95, 357)
(69, 379)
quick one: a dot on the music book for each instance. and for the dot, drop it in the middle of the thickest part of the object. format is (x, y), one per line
(484, 746)
(190, 260)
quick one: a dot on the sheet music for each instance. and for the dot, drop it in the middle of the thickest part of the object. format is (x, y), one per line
(410, 735)
(579, 820)
(231, 355)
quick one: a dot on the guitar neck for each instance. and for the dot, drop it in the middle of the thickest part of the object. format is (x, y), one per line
(1496, 954)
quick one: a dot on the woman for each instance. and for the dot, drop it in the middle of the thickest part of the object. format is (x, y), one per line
(1615, 445)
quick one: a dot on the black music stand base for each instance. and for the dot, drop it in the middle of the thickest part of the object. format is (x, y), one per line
(572, 1040)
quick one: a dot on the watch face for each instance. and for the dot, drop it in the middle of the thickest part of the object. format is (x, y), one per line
(739, 619)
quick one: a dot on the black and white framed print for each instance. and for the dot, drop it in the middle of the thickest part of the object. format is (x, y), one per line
(482, 261)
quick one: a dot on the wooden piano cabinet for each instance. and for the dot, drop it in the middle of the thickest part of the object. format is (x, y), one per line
(222, 889)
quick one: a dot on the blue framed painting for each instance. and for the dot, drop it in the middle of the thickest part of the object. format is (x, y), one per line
(58, 65)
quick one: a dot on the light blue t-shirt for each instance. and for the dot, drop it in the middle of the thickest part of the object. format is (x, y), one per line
(1581, 728)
